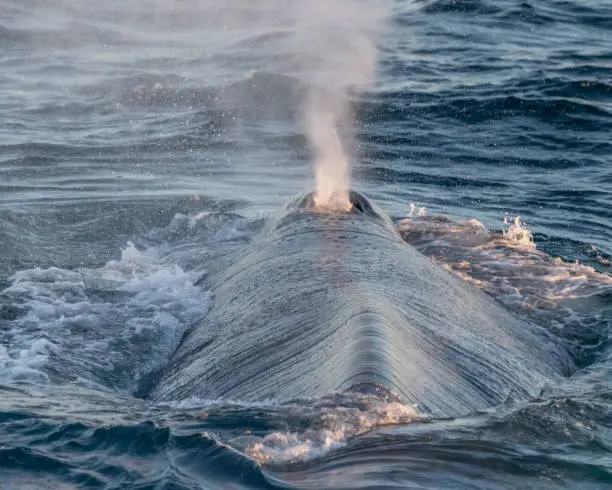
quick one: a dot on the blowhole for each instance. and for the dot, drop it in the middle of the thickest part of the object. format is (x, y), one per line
(357, 206)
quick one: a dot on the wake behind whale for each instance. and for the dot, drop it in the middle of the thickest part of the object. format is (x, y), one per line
(330, 302)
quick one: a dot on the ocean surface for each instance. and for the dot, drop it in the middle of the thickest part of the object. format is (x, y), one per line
(144, 143)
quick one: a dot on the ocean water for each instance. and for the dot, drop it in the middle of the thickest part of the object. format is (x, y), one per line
(142, 144)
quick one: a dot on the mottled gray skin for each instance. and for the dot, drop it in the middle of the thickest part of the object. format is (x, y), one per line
(323, 303)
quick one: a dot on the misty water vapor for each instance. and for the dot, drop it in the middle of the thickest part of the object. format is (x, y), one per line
(335, 48)
(332, 47)
(327, 46)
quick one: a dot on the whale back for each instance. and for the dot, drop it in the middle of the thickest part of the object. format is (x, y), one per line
(322, 303)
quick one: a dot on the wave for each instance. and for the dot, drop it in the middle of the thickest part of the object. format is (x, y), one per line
(459, 6)
(560, 112)
(421, 178)
(570, 300)
(544, 13)
(101, 439)
(133, 311)
(64, 319)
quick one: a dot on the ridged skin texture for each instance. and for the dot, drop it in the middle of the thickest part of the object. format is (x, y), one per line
(323, 302)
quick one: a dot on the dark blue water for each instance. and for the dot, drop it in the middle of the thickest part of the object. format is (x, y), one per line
(143, 143)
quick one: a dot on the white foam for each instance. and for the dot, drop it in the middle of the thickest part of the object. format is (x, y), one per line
(599, 257)
(332, 431)
(508, 266)
(24, 365)
(111, 326)
(331, 422)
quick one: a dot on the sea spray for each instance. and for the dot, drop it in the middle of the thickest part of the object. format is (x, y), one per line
(328, 46)
(335, 49)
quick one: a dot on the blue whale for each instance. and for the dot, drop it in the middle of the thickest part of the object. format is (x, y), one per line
(326, 302)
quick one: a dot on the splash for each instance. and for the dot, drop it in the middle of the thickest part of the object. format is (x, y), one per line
(416, 211)
(110, 327)
(311, 427)
(568, 299)
(334, 428)
(518, 233)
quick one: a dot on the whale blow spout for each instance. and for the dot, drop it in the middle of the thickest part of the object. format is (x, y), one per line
(323, 302)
